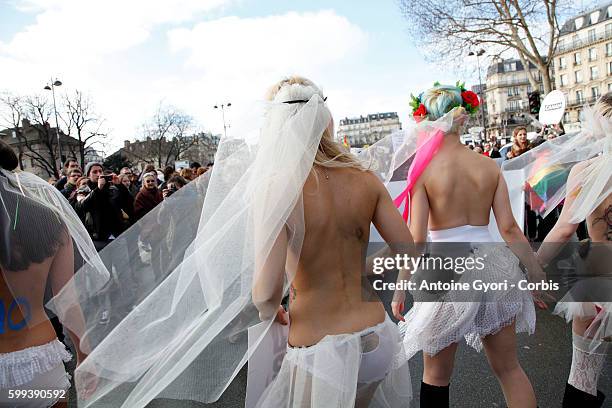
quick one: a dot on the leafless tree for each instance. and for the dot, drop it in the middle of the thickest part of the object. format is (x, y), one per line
(451, 28)
(168, 134)
(82, 123)
(41, 147)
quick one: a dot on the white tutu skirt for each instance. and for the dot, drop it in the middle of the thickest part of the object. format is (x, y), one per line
(432, 326)
(366, 368)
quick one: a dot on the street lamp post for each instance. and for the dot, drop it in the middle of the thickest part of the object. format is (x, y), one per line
(223, 107)
(482, 117)
(51, 87)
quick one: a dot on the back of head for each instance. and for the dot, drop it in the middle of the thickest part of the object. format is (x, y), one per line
(8, 158)
(298, 89)
(168, 172)
(603, 106)
(440, 99)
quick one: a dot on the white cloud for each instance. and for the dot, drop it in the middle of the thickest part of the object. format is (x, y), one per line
(237, 59)
(113, 51)
(280, 43)
(73, 30)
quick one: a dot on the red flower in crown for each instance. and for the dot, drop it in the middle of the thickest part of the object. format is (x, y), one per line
(420, 112)
(471, 98)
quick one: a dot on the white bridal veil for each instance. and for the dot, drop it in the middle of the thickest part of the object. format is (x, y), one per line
(585, 155)
(179, 302)
(167, 314)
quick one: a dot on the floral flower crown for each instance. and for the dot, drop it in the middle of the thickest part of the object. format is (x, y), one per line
(469, 100)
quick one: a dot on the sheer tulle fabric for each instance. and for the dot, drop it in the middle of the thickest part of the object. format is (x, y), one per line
(432, 326)
(360, 369)
(585, 157)
(179, 300)
(35, 221)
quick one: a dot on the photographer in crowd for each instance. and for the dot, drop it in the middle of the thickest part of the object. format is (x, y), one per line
(98, 205)
(173, 185)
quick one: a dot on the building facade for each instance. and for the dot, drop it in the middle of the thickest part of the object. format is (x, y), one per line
(506, 97)
(583, 61)
(36, 147)
(367, 130)
(199, 148)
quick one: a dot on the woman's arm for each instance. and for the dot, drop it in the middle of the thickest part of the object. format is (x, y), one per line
(396, 234)
(512, 234)
(269, 278)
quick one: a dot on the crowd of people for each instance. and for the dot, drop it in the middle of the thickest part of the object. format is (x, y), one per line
(519, 143)
(109, 202)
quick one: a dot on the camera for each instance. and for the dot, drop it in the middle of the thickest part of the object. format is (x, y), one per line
(171, 190)
(108, 177)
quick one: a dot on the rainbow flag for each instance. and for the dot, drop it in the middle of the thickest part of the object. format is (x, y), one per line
(345, 142)
(543, 184)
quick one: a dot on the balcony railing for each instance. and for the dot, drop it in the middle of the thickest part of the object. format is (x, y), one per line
(510, 82)
(582, 101)
(512, 109)
(582, 42)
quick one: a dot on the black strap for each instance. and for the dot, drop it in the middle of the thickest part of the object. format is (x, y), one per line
(301, 101)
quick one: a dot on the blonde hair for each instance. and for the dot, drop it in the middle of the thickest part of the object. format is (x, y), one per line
(603, 106)
(330, 153)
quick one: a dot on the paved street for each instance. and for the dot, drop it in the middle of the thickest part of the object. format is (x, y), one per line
(545, 356)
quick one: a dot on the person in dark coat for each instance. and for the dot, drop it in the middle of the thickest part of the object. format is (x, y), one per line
(98, 205)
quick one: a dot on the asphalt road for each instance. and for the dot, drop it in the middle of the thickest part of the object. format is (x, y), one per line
(545, 356)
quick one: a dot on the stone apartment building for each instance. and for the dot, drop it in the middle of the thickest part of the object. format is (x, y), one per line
(506, 97)
(199, 148)
(36, 147)
(367, 130)
(583, 61)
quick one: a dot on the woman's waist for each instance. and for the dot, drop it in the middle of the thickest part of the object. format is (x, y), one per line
(463, 233)
(28, 336)
(310, 323)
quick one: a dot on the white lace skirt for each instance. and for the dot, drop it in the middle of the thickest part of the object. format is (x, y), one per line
(20, 367)
(366, 368)
(432, 326)
(39, 369)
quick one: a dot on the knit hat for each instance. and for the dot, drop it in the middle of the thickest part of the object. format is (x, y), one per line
(90, 165)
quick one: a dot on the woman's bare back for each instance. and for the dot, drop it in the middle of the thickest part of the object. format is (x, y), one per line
(600, 222)
(460, 186)
(327, 289)
(25, 322)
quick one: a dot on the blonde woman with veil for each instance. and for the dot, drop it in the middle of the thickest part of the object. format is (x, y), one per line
(342, 347)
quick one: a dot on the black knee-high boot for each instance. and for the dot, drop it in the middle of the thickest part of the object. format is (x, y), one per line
(433, 396)
(575, 398)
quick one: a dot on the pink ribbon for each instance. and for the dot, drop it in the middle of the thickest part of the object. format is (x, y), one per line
(426, 150)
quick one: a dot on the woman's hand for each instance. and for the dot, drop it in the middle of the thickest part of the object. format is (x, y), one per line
(282, 316)
(397, 305)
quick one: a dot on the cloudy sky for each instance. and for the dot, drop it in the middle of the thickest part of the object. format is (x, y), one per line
(129, 55)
